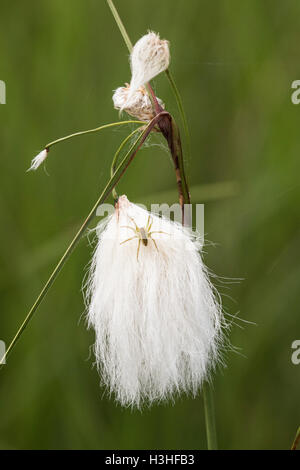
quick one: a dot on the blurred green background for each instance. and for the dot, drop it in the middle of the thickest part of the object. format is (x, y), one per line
(234, 63)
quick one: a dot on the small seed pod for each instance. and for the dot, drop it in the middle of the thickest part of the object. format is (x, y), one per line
(140, 105)
(156, 317)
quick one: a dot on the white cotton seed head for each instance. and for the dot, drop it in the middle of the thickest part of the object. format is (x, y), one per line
(149, 57)
(38, 160)
(140, 105)
(156, 317)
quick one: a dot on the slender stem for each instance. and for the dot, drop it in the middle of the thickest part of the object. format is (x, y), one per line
(120, 25)
(180, 162)
(210, 421)
(170, 132)
(181, 110)
(155, 104)
(296, 440)
(115, 159)
(90, 131)
(105, 193)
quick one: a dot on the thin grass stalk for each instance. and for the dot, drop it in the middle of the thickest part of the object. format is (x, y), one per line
(120, 25)
(116, 156)
(90, 131)
(296, 440)
(210, 419)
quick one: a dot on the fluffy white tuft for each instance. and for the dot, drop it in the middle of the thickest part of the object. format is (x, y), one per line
(38, 160)
(156, 318)
(149, 57)
(140, 105)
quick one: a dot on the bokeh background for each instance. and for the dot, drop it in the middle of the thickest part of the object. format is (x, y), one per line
(234, 63)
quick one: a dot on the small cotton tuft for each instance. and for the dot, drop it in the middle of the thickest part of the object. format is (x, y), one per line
(38, 160)
(140, 105)
(156, 317)
(149, 57)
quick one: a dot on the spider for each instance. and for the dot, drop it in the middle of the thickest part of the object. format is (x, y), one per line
(143, 234)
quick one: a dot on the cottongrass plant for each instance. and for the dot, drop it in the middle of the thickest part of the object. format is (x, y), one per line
(154, 311)
(157, 318)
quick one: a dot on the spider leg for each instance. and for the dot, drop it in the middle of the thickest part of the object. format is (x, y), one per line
(157, 231)
(128, 239)
(146, 227)
(154, 243)
(128, 226)
(136, 227)
(149, 228)
(138, 250)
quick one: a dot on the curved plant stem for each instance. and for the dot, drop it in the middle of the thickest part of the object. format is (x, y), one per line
(105, 193)
(90, 131)
(210, 421)
(115, 159)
